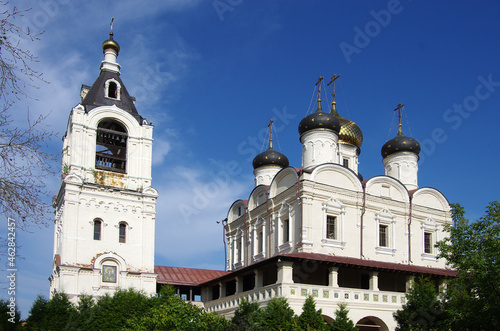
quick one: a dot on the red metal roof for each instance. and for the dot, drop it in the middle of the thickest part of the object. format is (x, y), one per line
(185, 276)
(373, 264)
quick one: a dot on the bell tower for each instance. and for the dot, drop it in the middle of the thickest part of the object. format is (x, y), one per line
(104, 227)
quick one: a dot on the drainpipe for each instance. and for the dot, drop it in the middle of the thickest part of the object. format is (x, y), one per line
(268, 226)
(299, 243)
(409, 232)
(244, 245)
(361, 223)
(224, 223)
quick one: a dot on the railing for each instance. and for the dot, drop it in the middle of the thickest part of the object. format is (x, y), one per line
(322, 295)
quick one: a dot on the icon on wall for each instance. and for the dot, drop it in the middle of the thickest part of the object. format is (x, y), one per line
(109, 274)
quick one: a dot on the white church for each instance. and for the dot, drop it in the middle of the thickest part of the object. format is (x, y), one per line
(317, 230)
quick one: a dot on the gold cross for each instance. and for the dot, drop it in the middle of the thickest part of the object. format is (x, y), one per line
(271, 132)
(319, 87)
(398, 108)
(334, 77)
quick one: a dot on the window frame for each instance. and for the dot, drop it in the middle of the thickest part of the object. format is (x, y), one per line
(385, 218)
(99, 232)
(430, 227)
(334, 208)
(122, 238)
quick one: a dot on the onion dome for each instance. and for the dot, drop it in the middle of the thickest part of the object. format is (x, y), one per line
(319, 120)
(400, 143)
(270, 157)
(110, 43)
(349, 131)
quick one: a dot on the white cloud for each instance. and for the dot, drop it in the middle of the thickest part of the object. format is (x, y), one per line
(191, 202)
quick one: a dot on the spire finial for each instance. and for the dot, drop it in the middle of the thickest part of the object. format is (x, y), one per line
(319, 92)
(334, 77)
(398, 108)
(111, 28)
(271, 133)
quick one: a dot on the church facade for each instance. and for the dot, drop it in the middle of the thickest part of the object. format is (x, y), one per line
(317, 230)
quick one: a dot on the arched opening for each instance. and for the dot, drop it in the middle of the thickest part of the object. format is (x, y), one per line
(97, 229)
(113, 90)
(111, 146)
(371, 323)
(122, 229)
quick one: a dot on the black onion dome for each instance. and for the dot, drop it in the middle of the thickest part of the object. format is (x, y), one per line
(319, 120)
(400, 143)
(270, 157)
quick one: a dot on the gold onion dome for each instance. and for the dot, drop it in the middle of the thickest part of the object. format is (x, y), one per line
(349, 131)
(400, 143)
(110, 43)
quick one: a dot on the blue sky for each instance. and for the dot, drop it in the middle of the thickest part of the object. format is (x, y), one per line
(211, 74)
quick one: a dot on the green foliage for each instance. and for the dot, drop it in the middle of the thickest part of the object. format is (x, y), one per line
(173, 313)
(246, 316)
(9, 319)
(311, 319)
(113, 312)
(423, 310)
(342, 322)
(277, 315)
(54, 314)
(473, 249)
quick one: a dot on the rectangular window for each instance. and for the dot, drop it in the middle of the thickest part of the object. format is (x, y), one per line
(286, 230)
(238, 251)
(122, 233)
(97, 230)
(383, 235)
(260, 239)
(427, 242)
(346, 163)
(331, 231)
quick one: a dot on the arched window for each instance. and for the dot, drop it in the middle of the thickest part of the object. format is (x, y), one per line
(111, 146)
(122, 232)
(97, 229)
(112, 89)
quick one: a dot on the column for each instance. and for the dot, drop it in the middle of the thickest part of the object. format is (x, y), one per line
(285, 272)
(374, 281)
(409, 282)
(333, 277)
(239, 284)
(259, 278)
(222, 290)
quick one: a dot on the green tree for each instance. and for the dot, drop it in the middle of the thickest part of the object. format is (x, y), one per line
(9, 315)
(54, 314)
(246, 316)
(173, 313)
(473, 249)
(277, 315)
(311, 319)
(114, 312)
(342, 322)
(423, 310)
